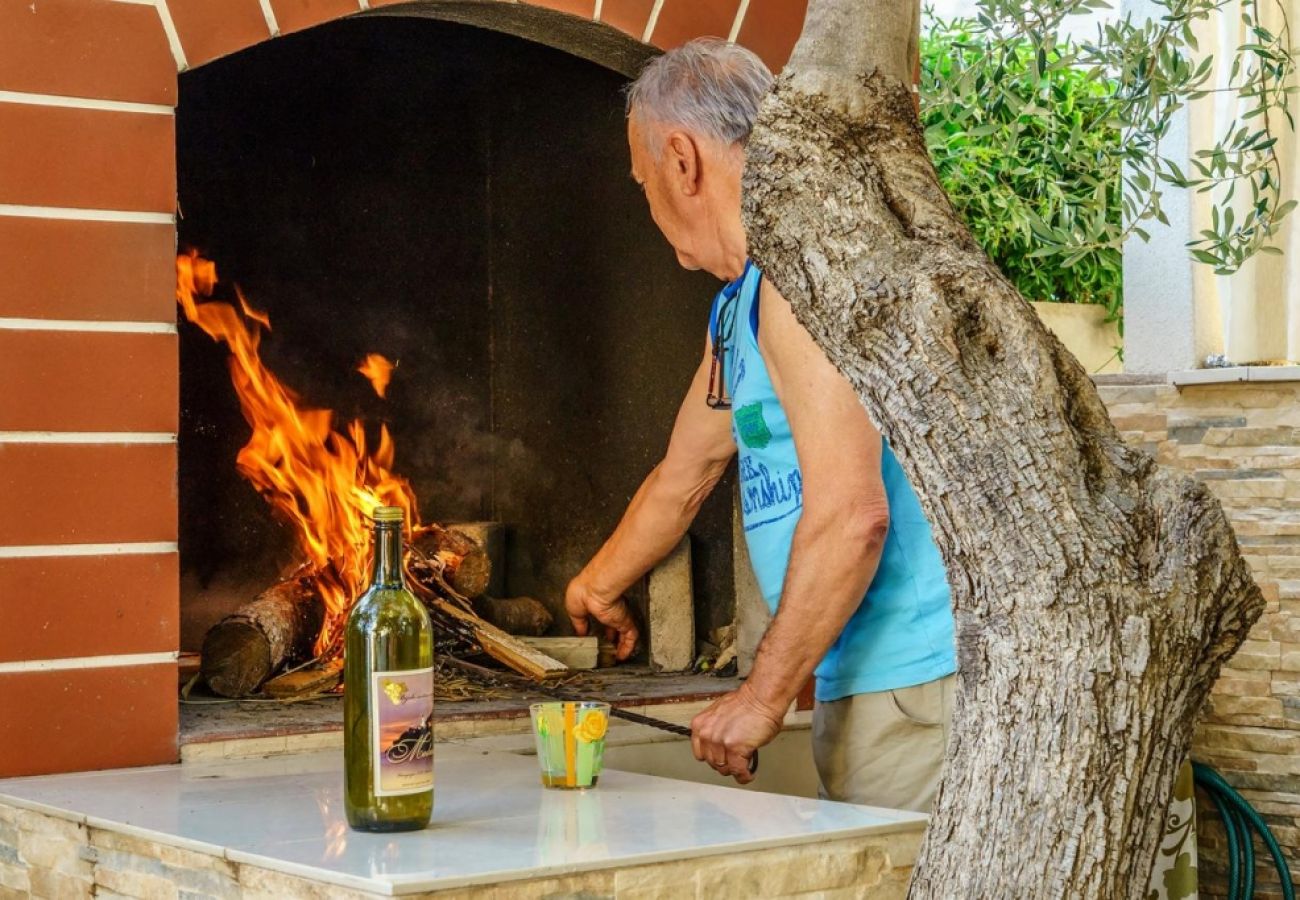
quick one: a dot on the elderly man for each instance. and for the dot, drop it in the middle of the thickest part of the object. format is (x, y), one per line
(842, 552)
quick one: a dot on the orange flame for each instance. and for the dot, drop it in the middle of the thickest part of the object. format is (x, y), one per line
(325, 482)
(378, 370)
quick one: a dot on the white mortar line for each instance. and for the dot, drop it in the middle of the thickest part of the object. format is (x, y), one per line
(739, 20)
(595, 15)
(269, 14)
(86, 215)
(156, 109)
(8, 324)
(173, 36)
(652, 21)
(31, 551)
(89, 662)
(364, 4)
(87, 437)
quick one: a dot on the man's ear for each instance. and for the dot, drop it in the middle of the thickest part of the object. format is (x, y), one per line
(683, 163)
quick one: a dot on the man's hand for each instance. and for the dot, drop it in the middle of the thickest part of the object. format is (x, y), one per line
(729, 732)
(583, 603)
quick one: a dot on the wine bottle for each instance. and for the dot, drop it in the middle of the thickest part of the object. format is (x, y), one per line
(388, 696)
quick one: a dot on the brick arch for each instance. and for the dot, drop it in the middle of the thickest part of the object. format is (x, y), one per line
(88, 344)
(619, 34)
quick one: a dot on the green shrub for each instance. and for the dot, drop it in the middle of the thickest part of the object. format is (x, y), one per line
(1025, 146)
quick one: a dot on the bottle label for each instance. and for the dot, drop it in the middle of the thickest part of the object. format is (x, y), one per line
(401, 706)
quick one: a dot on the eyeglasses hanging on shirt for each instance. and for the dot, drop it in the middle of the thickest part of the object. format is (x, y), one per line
(719, 397)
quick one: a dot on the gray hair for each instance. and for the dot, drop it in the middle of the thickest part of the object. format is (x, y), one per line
(708, 85)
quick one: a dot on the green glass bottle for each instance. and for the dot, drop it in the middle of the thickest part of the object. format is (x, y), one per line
(388, 696)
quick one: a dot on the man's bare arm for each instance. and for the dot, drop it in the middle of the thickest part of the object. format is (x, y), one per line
(660, 513)
(841, 534)
(837, 543)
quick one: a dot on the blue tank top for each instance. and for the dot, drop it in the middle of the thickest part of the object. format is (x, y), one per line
(902, 632)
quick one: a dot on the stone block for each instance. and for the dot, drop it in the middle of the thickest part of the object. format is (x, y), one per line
(141, 885)
(13, 880)
(1145, 422)
(1243, 684)
(1289, 660)
(1263, 741)
(672, 612)
(1264, 712)
(263, 884)
(1257, 655)
(47, 884)
(53, 852)
(797, 871)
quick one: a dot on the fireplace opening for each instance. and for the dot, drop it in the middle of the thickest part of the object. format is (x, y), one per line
(458, 201)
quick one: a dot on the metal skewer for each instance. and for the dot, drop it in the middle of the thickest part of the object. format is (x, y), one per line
(556, 694)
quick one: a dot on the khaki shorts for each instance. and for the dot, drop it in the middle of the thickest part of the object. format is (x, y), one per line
(885, 748)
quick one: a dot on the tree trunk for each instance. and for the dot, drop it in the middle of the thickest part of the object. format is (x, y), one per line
(1096, 594)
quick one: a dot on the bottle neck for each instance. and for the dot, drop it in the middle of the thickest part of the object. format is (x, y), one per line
(388, 555)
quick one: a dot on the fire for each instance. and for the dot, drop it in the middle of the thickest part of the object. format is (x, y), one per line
(325, 482)
(378, 370)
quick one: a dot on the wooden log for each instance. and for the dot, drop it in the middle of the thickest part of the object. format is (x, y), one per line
(245, 648)
(466, 565)
(516, 615)
(574, 652)
(500, 646)
(491, 536)
(315, 679)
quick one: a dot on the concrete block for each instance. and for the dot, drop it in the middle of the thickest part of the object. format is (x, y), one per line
(672, 612)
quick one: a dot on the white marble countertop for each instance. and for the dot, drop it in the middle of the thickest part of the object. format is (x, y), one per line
(492, 821)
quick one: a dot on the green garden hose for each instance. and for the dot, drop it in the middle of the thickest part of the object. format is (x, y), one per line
(1241, 823)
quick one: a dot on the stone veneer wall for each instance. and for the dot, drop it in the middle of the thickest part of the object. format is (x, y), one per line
(51, 858)
(1243, 440)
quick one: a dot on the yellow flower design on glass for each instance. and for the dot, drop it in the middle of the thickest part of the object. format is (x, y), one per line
(592, 727)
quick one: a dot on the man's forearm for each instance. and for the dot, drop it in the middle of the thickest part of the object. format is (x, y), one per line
(828, 575)
(658, 516)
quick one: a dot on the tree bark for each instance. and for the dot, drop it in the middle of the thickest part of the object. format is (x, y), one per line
(1096, 594)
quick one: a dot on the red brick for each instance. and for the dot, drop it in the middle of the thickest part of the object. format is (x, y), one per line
(585, 9)
(86, 48)
(295, 15)
(87, 494)
(87, 158)
(771, 29)
(85, 381)
(62, 269)
(212, 28)
(76, 720)
(72, 606)
(682, 20)
(627, 15)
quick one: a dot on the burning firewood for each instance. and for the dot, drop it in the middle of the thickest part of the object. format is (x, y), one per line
(251, 644)
(326, 481)
(465, 563)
